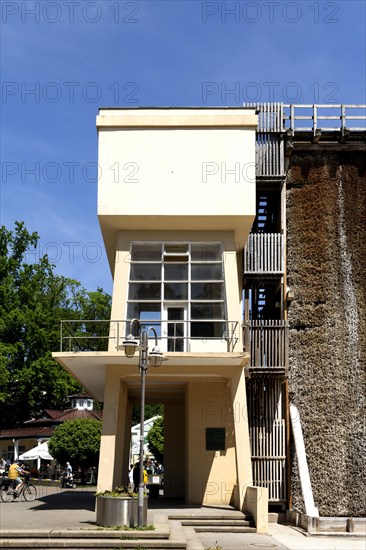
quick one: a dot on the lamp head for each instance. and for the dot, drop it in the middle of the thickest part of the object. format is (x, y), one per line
(129, 345)
(156, 357)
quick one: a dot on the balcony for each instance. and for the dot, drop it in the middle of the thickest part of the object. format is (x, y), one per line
(264, 254)
(198, 336)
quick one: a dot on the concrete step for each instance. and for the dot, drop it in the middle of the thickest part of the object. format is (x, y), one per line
(83, 534)
(219, 517)
(227, 523)
(225, 529)
(224, 523)
(53, 544)
(162, 538)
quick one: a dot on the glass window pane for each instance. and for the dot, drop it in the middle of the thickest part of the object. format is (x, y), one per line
(176, 291)
(208, 329)
(144, 291)
(146, 252)
(145, 272)
(201, 310)
(176, 248)
(144, 311)
(149, 315)
(176, 272)
(207, 291)
(176, 258)
(206, 252)
(206, 272)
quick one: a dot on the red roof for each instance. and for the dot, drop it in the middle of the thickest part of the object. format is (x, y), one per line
(69, 414)
(54, 413)
(75, 414)
(37, 428)
(27, 432)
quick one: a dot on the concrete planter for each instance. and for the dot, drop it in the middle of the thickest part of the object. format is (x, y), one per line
(119, 511)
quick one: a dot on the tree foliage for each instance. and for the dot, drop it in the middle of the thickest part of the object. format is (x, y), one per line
(77, 441)
(33, 300)
(150, 411)
(155, 439)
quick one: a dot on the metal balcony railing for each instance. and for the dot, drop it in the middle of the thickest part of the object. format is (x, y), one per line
(201, 335)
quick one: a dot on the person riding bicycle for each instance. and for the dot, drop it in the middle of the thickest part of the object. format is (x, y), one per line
(14, 473)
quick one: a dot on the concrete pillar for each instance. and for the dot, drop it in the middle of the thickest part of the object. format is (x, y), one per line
(174, 449)
(211, 474)
(113, 431)
(127, 444)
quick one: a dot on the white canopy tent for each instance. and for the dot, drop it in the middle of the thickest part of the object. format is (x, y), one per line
(37, 453)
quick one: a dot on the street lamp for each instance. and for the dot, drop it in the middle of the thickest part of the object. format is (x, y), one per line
(130, 345)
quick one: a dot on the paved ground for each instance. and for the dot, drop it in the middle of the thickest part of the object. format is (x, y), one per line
(74, 509)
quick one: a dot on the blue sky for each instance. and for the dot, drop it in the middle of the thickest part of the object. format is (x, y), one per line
(62, 60)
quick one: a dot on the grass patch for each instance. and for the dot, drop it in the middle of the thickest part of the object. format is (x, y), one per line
(126, 528)
(122, 491)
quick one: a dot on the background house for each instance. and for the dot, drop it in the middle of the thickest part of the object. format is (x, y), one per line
(15, 441)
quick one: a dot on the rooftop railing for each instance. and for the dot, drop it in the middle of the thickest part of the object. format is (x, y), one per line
(279, 117)
(324, 117)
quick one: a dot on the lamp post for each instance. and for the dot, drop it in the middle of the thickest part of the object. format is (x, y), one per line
(130, 344)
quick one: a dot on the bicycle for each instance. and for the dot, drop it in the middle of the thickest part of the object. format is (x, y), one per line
(8, 493)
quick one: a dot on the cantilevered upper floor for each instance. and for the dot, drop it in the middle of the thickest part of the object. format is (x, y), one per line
(176, 169)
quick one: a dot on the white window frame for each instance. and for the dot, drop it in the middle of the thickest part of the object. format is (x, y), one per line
(185, 303)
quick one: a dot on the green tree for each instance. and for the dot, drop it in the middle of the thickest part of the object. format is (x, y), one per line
(155, 439)
(90, 313)
(77, 441)
(33, 300)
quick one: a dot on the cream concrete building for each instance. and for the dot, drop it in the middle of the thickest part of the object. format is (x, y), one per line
(176, 202)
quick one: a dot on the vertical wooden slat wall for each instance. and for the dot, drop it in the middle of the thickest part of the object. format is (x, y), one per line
(267, 435)
(267, 340)
(269, 139)
(263, 253)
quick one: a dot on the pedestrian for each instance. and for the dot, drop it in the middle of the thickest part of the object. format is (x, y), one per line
(68, 470)
(136, 477)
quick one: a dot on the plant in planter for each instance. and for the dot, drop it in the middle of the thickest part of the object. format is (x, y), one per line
(118, 507)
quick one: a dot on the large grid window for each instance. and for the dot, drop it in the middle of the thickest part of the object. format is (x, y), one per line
(179, 289)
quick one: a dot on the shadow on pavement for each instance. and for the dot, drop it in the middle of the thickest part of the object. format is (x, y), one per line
(66, 500)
